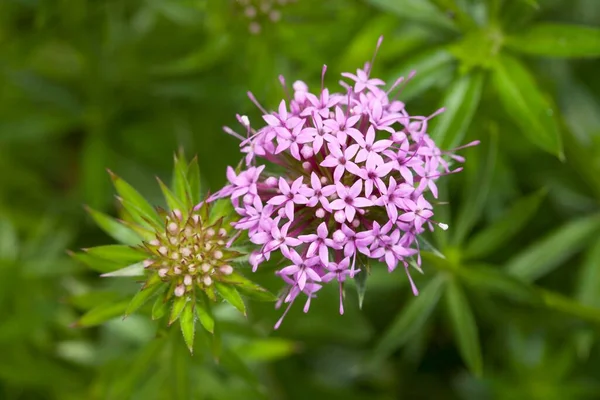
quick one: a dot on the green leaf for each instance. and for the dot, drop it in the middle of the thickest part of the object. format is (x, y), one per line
(131, 196)
(180, 185)
(588, 282)
(410, 320)
(231, 295)
(114, 228)
(204, 314)
(360, 280)
(220, 209)
(141, 297)
(416, 10)
(549, 252)
(119, 253)
(495, 280)
(136, 269)
(249, 288)
(433, 67)
(138, 216)
(266, 350)
(9, 241)
(569, 306)
(102, 313)
(159, 308)
(526, 105)
(172, 201)
(501, 231)
(472, 207)
(464, 326)
(187, 321)
(557, 40)
(461, 102)
(178, 306)
(97, 264)
(193, 177)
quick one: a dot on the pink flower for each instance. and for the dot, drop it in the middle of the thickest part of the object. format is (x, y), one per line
(372, 167)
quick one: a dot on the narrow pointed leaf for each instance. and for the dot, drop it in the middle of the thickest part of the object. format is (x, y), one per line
(588, 283)
(361, 286)
(136, 269)
(187, 321)
(181, 186)
(141, 297)
(249, 288)
(132, 196)
(119, 253)
(464, 326)
(557, 40)
(204, 314)
(172, 201)
(231, 295)
(524, 102)
(220, 209)
(97, 264)
(501, 231)
(114, 229)
(178, 306)
(416, 10)
(194, 181)
(102, 313)
(473, 205)
(140, 216)
(569, 306)
(265, 350)
(410, 320)
(160, 308)
(461, 101)
(552, 250)
(433, 67)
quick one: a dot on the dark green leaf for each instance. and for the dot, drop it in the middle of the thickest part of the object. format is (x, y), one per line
(569, 306)
(416, 10)
(249, 288)
(231, 295)
(9, 242)
(461, 101)
(557, 40)
(181, 186)
(194, 181)
(97, 264)
(501, 231)
(433, 67)
(549, 252)
(267, 350)
(172, 201)
(115, 229)
(526, 104)
(410, 320)
(472, 207)
(464, 326)
(187, 321)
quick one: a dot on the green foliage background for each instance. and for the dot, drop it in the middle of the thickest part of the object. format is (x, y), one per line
(511, 312)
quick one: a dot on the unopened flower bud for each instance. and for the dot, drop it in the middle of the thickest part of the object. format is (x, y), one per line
(339, 216)
(226, 269)
(218, 254)
(179, 290)
(187, 280)
(207, 280)
(163, 272)
(339, 237)
(320, 213)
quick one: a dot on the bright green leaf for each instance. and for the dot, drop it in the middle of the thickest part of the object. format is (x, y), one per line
(114, 228)
(461, 101)
(231, 295)
(557, 40)
(178, 306)
(410, 320)
(204, 314)
(136, 269)
(464, 326)
(550, 251)
(172, 201)
(588, 286)
(180, 185)
(187, 321)
(143, 296)
(267, 350)
(97, 264)
(194, 180)
(119, 253)
(569, 306)
(249, 288)
(525, 103)
(159, 308)
(501, 231)
(102, 313)
(472, 207)
(131, 196)
(416, 10)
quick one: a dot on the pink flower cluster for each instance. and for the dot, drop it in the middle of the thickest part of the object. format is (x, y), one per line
(348, 178)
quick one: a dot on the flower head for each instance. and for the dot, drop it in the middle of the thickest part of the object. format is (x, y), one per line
(356, 171)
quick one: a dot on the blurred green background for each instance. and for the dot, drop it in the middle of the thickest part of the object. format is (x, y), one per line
(512, 312)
